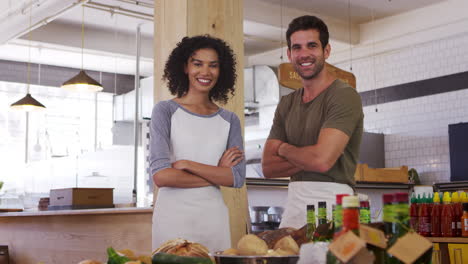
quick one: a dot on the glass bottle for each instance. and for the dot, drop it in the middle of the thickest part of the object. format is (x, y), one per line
(464, 220)
(400, 224)
(339, 213)
(322, 213)
(414, 213)
(364, 212)
(424, 223)
(435, 216)
(457, 214)
(351, 214)
(337, 225)
(310, 230)
(446, 216)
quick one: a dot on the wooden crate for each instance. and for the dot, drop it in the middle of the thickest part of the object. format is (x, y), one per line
(81, 198)
(365, 174)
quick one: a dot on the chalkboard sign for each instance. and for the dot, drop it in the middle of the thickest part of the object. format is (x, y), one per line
(458, 143)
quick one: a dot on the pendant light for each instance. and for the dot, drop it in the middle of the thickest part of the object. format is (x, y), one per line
(28, 103)
(82, 82)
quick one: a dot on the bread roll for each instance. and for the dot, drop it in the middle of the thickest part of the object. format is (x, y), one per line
(252, 245)
(287, 243)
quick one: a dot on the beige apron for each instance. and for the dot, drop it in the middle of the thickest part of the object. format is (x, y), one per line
(302, 193)
(196, 214)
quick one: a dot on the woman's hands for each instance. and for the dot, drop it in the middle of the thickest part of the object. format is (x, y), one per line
(181, 164)
(212, 175)
(231, 157)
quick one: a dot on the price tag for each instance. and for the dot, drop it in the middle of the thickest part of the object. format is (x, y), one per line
(346, 246)
(373, 236)
(410, 247)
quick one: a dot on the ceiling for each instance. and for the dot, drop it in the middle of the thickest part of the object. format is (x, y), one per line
(110, 27)
(360, 11)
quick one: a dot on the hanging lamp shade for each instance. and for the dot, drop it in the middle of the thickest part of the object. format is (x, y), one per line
(82, 82)
(27, 103)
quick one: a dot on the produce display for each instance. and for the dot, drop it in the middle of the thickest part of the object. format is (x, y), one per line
(176, 251)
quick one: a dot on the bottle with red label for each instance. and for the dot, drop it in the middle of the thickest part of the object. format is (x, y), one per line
(447, 223)
(457, 213)
(435, 216)
(464, 220)
(424, 223)
(430, 205)
(414, 213)
(351, 214)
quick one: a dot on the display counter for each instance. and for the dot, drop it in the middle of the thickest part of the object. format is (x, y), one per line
(359, 185)
(69, 236)
(448, 247)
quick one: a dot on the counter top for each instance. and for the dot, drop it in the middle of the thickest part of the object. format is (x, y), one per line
(459, 240)
(100, 211)
(359, 185)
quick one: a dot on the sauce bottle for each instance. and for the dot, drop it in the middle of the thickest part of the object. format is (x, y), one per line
(388, 213)
(350, 222)
(435, 216)
(339, 213)
(464, 220)
(414, 213)
(457, 213)
(424, 222)
(338, 225)
(430, 205)
(351, 214)
(446, 217)
(310, 229)
(322, 213)
(364, 212)
(400, 224)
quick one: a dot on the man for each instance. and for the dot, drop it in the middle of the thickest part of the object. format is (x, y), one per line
(316, 131)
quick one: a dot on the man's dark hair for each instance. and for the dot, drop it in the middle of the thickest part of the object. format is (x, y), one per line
(178, 80)
(306, 23)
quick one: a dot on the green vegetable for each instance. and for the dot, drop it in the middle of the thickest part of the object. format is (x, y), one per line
(164, 258)
(115, 258)
(414, 176)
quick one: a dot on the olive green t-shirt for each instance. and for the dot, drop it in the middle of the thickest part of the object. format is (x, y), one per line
(299, 124)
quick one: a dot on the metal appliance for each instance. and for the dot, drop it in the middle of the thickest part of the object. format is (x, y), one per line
(264, 218)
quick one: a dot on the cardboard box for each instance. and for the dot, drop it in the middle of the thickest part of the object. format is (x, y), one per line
(81, 198)
(365, 174)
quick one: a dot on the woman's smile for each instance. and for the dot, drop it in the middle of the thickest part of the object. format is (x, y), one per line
(202, 69)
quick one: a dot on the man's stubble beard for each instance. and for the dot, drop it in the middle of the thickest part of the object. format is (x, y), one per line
(319, 65)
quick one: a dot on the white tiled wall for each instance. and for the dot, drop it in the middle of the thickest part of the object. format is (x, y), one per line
(416, 130)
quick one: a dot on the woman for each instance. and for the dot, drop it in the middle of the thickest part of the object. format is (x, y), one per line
(196, 146)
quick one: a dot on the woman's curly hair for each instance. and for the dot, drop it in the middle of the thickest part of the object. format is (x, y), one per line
(178, 80)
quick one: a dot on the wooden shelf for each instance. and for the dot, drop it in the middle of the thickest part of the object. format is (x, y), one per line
(459, 240)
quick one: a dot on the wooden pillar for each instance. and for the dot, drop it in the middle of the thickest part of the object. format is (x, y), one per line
(222, 19)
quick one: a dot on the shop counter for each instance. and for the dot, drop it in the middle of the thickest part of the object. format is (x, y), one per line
(69, 236)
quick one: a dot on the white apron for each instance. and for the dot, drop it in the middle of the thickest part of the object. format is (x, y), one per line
(196, 214)
(302, 193)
